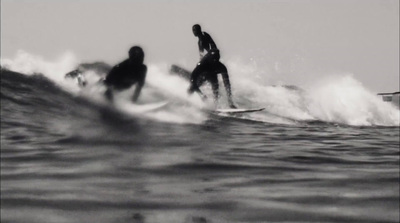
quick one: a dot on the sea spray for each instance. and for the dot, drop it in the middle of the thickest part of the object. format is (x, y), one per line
(339, 99)
(30, 64)
(343, 99)
(253, 87)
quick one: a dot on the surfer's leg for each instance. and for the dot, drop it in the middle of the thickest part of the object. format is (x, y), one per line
(197, 77)
(215, 86)
(221, 68)
(199, 82)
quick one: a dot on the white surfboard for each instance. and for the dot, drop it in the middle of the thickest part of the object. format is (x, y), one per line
(152, 106)
(143, 108)
(237, 110)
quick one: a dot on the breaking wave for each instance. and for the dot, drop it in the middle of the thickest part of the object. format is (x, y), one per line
(337, 99)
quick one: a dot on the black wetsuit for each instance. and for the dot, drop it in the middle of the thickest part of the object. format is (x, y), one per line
(206, 43)
(208, 69)
(124, 75)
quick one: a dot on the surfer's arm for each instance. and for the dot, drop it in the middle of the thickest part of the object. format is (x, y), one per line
(136, 94)
(227, 85)
(111, 77)
(202, 52)
(139, 86)
(109, 81)
(210, 41)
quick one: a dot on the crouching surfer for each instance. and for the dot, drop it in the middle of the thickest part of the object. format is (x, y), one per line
(209, 67)
(127, 73)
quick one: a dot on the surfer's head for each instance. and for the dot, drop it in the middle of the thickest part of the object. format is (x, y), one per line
(196, 29)
(136, 55)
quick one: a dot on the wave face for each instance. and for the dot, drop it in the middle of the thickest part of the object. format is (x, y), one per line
(337, 99)
(322, 153)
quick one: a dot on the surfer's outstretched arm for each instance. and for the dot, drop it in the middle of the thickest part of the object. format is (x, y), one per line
(202, 52)
(136, 94)
(210, 41)
(139, 85)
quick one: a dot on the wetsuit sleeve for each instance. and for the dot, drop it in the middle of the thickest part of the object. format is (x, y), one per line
(109, 81)
(210, 41)
(140, 83)
(201, 49)
(112, 76)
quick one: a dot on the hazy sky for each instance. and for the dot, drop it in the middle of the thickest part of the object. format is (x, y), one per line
(296, 39)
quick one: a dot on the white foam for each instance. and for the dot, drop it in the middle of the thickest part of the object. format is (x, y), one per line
(55, 70)
(339, 98)
(345, 100)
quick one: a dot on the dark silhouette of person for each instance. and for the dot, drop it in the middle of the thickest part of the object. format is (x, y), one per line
(209, 67)
(78, 76)
(99, 68)
(127, 73)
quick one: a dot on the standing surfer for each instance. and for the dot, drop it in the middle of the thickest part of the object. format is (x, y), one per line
(127, 73)
(209, 67)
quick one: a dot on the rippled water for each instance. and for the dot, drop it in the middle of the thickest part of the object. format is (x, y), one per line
(75, 162)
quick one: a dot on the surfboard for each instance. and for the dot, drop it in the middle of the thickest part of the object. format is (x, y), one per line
(142, 108)
(237, 110)
(153, 106)
(182, 72)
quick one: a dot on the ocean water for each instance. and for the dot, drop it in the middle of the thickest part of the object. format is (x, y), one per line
(329, 153)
